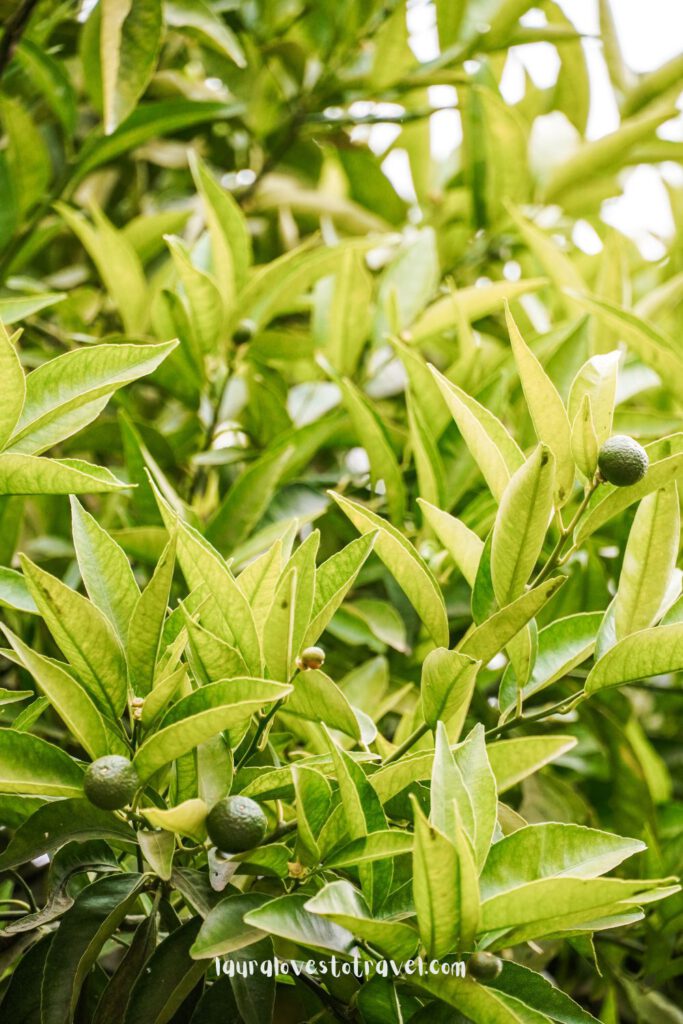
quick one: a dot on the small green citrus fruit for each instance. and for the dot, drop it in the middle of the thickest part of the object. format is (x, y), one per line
(236, 823)
(622, 461)
(110, 782)
(484, 966)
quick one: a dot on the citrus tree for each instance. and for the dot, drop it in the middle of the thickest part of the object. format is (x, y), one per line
(340, 525)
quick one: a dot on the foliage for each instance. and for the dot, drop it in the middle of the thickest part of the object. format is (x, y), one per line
(299, 408)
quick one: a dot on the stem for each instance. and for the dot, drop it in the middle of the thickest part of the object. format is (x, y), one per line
(416, 735)
(345, 119)
(563, 707)
(263, 722)
(558, 554)
(283, 829)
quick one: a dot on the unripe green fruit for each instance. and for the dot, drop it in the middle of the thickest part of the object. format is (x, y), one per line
(111, 782)
(622, 461)
(311, 657)
(245, 331)
(484, 966)
(236, 823)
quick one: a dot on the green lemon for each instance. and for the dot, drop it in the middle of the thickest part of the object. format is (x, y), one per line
(484, 966)
(111, 782)
(622, 461)
(236, 823)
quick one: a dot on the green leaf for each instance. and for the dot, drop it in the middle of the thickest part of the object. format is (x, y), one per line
(461, 543)
(514, 760)
(158, 848)
(223, 931)
(406, 566)
(562, 645)
(313, 795)
(288, 918)
(606, 153)
(117, 263)
(491, 445)
(333, 580)
(342, 903)
(521, 524)
(31, 765)
(409, 281)
(290, 611)
(14, 592)
(649, 652)
(585, 448)
(547, 411)
(147, 623)
(130, 40)
(51, 79)
(482, 1004)
(275, 285)
(149, 121)
(65, 394)
(552, 850)
(60, 822)
(499, 629)
(258, 581)
(536, 991)
(15, 386)
(597, 379)
(26, 154)
(166, 686)
(318, 699)
(342, 313)
(169, 977)
(445, 889)
(473, 303)
(645, 340)
(211, 658)
(18, 307)
(649, 560)
(477, 774)
(198, 18)
(561, 270)
(104, 568)
(447, 685)
(71, 701)
(27, 474)
(227, 613)
(230, 240)
(84, 635)
(116, 996)
(187, 819)
(374, 846)
(95, 915)
(218, 707)
(205, 305)
(248, 499)
(373, 436)
(549, 905)
(428, 461)
(363, 814)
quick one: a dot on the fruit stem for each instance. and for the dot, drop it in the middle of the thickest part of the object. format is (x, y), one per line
(563, 707)
(416, 735)
(556, 555)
